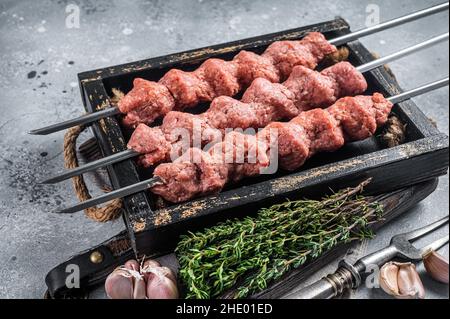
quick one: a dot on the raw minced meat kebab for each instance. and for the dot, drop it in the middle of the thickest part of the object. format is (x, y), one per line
(310, 132)
(262, 103)
(178, 90)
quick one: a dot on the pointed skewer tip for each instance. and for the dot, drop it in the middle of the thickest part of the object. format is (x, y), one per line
(34, 132)
(48, 181)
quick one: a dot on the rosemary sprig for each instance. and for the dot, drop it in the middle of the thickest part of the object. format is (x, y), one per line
(246, 255)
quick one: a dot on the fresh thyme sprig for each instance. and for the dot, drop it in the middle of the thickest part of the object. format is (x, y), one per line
(246, 255)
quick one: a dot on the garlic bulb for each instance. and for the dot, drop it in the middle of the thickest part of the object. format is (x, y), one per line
(126, 282)
(436, 266)
(119, 284)
(131, 281)
(161, 281)
(161, 287)
(401, 280)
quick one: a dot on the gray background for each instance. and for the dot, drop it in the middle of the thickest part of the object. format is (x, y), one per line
(39, 61)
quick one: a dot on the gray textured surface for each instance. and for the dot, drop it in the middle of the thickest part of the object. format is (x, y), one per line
(39, 60)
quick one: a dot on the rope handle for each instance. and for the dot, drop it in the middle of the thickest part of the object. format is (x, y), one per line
(110, 211)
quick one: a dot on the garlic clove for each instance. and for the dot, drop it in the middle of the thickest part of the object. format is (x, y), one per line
(401, 280)
(119, 285)
(388, 278)
(138, 279)
(161, 287)
(409, 283)
(139, 291)
(436, 266)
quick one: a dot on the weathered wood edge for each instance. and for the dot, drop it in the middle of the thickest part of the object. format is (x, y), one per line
(111, 140)
(232, 204)
(194, 55)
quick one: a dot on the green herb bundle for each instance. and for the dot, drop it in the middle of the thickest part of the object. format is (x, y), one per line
(246, 255)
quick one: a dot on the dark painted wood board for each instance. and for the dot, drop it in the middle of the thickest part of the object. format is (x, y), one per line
(424, 155)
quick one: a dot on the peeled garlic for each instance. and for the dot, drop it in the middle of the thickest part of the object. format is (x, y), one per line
(401, 280)
(436, 266)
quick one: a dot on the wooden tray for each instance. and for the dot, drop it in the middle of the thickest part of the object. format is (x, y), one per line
(152, 231)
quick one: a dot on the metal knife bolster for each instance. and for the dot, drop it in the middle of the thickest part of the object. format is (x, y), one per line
(333, 285)
(350, 276)
(347, 276)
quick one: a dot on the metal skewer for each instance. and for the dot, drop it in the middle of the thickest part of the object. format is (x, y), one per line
(402, 53)
(89, 118)
(418, 91)
(118, 157)
(81, 120)
(135, 188)
(115, 158)
(389, 24)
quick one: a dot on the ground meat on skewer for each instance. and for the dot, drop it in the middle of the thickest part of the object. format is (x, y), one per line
(322, 129)
(179, 89)
(357, 118)
(152, 143)
(263, 103)
(252, 66)
(244, 154)
(277, 96)
(288, 54)
(310, 132)
(145, 102)
(226, 112)
(313, 89)
(221, 77)
(293, 144)
(188, 88)
(349, 81)
(181, 178)
(195, 169)
(383, 108)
